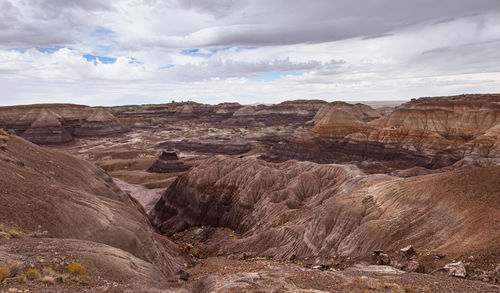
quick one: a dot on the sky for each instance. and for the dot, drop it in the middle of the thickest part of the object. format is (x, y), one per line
(100, 52)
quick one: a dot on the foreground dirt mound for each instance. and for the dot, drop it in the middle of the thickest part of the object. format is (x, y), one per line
(309, 210)
(42, 190)
(106, 267)
(262, 275)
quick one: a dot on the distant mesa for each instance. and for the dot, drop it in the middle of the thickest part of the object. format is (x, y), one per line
(47, 129)
(168, 162)
(295, 112)
(59, 123)
(100, 123)
(427, 132)
(339, 119)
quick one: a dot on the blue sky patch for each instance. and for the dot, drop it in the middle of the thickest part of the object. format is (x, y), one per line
(133, 60)
(101, 32)
(49, 50)
(273, 75)
(207, 53)
(166, 67)
(103, 59)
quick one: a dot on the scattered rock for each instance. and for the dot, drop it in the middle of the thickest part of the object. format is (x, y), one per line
(48, 279)
(383, 259)
(414, 266)
(183, 275)
(456, 269)
(408, 251)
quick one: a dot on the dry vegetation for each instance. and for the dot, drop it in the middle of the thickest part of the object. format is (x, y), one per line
(14, 272)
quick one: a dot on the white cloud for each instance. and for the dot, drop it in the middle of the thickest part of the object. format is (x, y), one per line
(344, 50)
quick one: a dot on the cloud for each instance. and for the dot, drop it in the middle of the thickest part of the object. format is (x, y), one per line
(109, 52)
(219, 68)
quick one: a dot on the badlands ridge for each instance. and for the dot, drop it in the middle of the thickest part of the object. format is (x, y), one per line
(302, 196)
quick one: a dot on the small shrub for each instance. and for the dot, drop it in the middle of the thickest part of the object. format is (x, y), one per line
(407, 289)
(14, 233)
(48, 271)
(15, 268)
(358, 279)
(76, 269)
(427, 289)
(4, 273)
(184, 248)
(84, 280)
(4, 135)
(21, 278)
(32, 274)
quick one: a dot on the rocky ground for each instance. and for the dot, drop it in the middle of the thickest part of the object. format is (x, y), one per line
(235, 223)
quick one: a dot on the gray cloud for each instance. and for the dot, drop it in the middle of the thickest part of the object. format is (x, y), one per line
(215, 68)
(279, 22)
(46, 22)
(233, 23)
(218, 8)
(348, 49)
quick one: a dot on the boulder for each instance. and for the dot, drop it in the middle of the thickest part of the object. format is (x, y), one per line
(456, 269)
(408, 251)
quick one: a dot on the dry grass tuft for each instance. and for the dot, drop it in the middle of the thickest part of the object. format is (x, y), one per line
(76, 269)
(32, 274)
(15, 268)
(4, 272)
(21, 278)
(48, 271)
(84, 280)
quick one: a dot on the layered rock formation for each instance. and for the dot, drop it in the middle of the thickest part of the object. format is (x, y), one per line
(286, 113)
(100, 123)
(168, 162)
(226, 147)
(58, 123)
(47, 129)
(343, 114)
(311, 210)
(73, 199)
(427, 132)
(20, 118)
